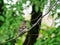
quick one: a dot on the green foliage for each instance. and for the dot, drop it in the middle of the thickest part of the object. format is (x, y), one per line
(11, 22)
(36, 8)
(39, 4)
(2, 18)
(58, 6)
(58, 15)
(49, 37)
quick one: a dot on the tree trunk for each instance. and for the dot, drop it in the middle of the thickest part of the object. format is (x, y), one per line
(33, 33)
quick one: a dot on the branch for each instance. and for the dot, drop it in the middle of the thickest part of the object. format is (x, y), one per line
(24, 31)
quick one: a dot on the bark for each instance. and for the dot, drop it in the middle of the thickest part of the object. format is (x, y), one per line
(33, 33)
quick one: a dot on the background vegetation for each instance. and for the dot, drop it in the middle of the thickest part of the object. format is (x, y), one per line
(42, 22)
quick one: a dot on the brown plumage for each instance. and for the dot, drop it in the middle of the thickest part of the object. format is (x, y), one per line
(22, 26)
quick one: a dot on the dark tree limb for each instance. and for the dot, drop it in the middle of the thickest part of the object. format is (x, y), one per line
(30, 38)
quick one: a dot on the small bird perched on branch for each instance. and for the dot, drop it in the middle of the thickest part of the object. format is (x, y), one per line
(22, 27)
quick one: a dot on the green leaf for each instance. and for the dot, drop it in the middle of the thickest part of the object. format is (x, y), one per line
(58, 6)
(58, 15)
(2, 18)
(36, 8)
(58, 29)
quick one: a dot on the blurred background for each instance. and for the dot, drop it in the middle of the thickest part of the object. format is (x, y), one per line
(15, 14)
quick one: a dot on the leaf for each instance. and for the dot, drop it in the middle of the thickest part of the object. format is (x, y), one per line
(58, 29)
(2, 18)
(58, 15)
(58, 6)
(36, 8)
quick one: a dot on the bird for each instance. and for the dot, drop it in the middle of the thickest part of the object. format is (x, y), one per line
(23, 27)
